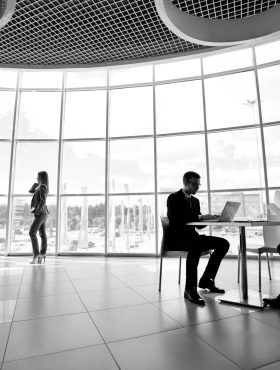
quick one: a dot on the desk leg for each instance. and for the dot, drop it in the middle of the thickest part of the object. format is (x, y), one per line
(243, 298)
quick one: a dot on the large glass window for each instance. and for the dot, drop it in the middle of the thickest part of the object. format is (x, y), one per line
(177, 155)
(268, 52)
(3, 222)
(5, 152)
(231, 100)
(131, 166)
(132, 224)
(39, 115)
(179, 107)
(115, 123)
(272, 135)
(131, 111)
(7, 106)
(180, 69)
(96, 78)
(42, 79)
(85, 114)
(269, 82)
(131, 75)
(32, 158)
(82, 224)
(83, 167)
(228, 61)
(8, 78)
(235, 159)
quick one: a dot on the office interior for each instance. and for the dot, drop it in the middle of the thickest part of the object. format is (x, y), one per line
(116, 105)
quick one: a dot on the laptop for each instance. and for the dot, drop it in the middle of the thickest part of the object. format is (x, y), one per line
(228, 213)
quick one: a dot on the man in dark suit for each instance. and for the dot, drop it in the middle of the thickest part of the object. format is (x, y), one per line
(183, 207)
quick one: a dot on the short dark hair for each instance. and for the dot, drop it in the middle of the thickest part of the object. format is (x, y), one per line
(188, 175)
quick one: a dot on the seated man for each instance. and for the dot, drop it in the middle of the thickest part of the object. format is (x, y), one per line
(183, 207)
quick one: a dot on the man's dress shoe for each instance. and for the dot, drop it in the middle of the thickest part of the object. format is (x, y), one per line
(194, 297)
(210, 285)
(273, 302)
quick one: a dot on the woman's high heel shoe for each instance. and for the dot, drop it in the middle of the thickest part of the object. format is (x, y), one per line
(41, 258)
(34, 260)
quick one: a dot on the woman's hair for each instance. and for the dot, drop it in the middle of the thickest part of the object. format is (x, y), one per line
(44, 178)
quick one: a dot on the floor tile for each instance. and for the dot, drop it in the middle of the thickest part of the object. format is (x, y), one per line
(175, 349)
(4, 333)
(7, 309)
(49, 335)
(86, 274)
(274, 366)
(90, 358)
(8, 292)
(112, 298)
(248, 342)
(168, 291)
(187, 313)
(269, 315)
(49, 288)
(128, 322)
(44, 277)
(32, 308)
(108, 282)
(10, 279)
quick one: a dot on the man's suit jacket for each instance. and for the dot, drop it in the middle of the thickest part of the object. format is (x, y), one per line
(179, 212)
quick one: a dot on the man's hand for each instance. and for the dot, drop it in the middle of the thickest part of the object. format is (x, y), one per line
(209, 217)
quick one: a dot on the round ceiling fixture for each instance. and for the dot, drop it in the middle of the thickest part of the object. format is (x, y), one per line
(219, 32)
(7, 8)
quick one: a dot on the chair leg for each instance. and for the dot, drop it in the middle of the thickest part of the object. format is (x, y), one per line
(260, 276)
(268, 265)
(160, 274)
(238, 269)
(180, 263)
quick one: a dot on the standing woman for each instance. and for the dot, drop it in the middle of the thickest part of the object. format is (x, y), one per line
(40, 210)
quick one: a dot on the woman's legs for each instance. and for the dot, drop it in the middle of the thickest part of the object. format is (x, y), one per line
(35, 226)
(43, 235)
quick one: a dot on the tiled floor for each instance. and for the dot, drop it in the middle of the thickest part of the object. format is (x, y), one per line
(107, 314)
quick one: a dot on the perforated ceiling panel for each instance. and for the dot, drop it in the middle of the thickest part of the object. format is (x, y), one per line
(224, 9)
(87, 32)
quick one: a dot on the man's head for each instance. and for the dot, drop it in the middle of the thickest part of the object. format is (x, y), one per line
(191, 181)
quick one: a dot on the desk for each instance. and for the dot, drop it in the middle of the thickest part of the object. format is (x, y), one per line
(243, 297)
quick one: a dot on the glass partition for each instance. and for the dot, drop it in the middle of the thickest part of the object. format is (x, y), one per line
(116, 142)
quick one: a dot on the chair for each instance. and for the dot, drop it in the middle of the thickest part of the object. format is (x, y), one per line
(271, 237)
(164, 252)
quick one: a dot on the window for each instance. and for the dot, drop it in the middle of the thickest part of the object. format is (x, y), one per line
(131, 75)
(235, 159)
(179, 107)
(180, 69)
(42, 79)
(268, 52)
(227, 61)
(5, 153)
(269, 82)
(83, 167)
(131, 166)
(96, 78)
(39, 115)
(231, 100)
(85, 114)
(177, 155)
(131, 111)
(272, 151)
(7, 106)
(82, 224)
(132, 224)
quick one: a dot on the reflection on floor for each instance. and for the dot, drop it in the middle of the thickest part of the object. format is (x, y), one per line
(106, 313)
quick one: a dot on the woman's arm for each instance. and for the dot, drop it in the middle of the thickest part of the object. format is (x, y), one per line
(43, 197)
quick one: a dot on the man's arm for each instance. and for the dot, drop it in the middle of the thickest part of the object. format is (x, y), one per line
(175, 213)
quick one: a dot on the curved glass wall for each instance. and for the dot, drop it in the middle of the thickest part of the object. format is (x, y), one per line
(117, 141)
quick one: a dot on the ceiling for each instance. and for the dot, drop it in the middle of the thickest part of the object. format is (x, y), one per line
(60, 33)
